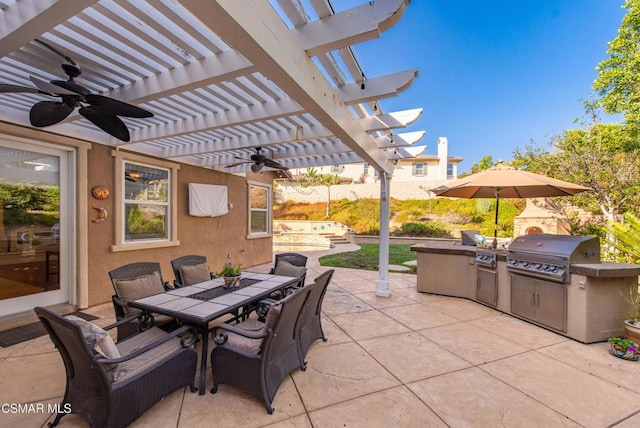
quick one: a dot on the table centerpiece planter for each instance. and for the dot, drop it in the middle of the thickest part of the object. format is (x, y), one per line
(231, 275)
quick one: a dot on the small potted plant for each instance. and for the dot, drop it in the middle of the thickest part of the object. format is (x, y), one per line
(632, 324)
(231, 274)
(623, 348)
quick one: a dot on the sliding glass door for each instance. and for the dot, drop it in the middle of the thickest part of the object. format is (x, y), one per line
(35, 225)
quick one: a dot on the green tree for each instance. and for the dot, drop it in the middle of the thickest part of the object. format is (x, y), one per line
(618, 82)
(311, 178)
(601, 156)
(485, 163)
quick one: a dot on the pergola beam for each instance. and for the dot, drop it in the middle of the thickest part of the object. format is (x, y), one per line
(268, 44)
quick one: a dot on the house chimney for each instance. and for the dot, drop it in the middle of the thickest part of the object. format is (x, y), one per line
(442, 157)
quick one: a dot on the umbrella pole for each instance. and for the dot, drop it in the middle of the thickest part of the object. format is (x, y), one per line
(495, 223)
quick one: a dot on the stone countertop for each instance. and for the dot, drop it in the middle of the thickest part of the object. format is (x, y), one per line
(605, 269)
(598, 270)
(454, 248)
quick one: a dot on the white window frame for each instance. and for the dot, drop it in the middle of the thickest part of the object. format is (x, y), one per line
(422, 169)
(366, 168)
(172, 211)
(269, 220)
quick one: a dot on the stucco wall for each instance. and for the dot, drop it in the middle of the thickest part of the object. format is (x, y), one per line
(220, 239)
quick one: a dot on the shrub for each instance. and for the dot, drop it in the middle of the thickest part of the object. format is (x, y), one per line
(422, 229)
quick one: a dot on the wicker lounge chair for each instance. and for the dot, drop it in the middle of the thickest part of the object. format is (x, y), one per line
(124, 284)
(289, 264)
(256, 356)
(310, 319)
(190, 270)
(113, 392)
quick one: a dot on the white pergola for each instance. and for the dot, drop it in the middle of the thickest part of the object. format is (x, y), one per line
(222, 77)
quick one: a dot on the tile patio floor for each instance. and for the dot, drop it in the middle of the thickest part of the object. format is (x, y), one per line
(411, 360)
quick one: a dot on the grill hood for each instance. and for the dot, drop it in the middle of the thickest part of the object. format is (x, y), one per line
(573, 249)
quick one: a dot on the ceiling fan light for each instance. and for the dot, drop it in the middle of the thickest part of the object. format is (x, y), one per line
(256, 168)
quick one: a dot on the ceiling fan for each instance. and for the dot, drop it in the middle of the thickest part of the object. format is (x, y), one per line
(259, 161)
(100, 110)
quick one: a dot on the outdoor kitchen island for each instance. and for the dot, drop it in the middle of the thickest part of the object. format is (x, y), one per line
(587, 306)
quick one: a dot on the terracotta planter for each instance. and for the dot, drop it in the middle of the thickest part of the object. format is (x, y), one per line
(631, 331)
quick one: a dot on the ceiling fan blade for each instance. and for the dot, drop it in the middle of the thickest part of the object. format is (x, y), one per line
(50, 88)
(273, 164)
(237, 164)
(8, 88)
(109, 123)
(47, 113)
(116, 107)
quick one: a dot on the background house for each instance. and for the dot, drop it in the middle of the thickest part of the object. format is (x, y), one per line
(411, 178)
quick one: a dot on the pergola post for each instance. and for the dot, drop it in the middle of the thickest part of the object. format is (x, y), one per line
(382, 288)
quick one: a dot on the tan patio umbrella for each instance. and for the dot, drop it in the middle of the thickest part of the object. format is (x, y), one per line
(502, 181)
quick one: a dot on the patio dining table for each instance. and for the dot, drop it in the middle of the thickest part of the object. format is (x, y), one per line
(201, 303)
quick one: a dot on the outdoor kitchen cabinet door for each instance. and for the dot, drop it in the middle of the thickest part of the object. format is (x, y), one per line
(540, 301)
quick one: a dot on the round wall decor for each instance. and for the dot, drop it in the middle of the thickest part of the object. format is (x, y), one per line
(100, 192)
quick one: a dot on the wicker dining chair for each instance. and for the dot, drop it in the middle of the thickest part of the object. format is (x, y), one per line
(311, 317)
(135, 281)
(190, 269)
(114, 391)
(256, 356)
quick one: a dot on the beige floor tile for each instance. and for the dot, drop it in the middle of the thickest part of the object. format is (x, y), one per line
(301, 421)
(395, 407)
(22, 378)
(33, 416)
(463, 309)
(595, 359)
(377, 302)
(471, 343)
(633, 421)
(418, 316)
(336, 302)
(472, 398)
(416, 296)
(339, 373)
(411, 356)
(232, 407)
(356, 286)
(579, 395)
(167, 410)
(333, 333)
(367, 325)
(70, 421)
(519, 331)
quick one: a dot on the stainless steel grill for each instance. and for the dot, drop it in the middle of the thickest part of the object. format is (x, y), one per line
(549, 256)
(486, 258)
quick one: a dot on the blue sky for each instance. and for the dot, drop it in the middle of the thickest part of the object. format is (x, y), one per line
(494, 75)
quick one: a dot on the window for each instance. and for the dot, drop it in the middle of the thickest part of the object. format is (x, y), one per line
(259, 210)
(335, 169)
(418, 168)
(366, 169)
(145, 210)
(449, 170)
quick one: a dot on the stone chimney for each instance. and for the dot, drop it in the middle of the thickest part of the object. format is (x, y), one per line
(443, 154)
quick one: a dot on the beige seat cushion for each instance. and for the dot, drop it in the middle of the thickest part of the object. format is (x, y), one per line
(137, 288)
(130, 368)
(193, 274)
(254, 346)
(98, 340)
(284, 268)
